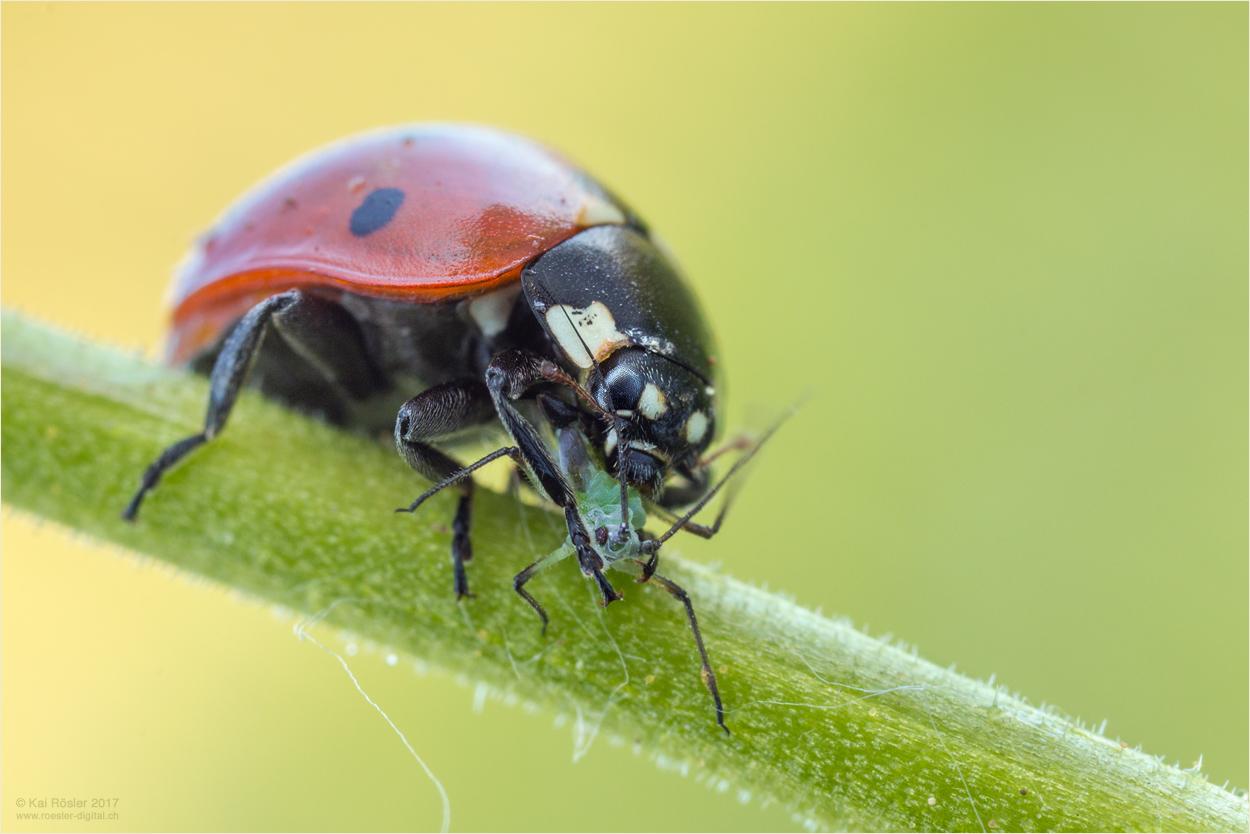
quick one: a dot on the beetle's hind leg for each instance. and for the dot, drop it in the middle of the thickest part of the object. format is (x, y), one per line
(320, 332)
(436, 412)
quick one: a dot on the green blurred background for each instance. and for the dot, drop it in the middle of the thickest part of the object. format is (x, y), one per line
(1004, 247)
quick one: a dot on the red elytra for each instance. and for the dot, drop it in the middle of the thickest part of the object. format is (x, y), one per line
(475, 206)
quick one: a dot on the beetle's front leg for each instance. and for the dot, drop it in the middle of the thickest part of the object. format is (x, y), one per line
(436, 412)
(509, 375)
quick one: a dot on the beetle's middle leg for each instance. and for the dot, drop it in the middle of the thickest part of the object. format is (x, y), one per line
(437, 412)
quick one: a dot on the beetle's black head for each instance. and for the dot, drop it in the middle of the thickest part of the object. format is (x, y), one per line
(664, 418)
(620, 317)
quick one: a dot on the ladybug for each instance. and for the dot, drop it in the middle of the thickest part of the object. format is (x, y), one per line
(498, 283)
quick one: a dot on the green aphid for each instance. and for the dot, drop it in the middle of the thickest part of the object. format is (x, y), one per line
(599, 505)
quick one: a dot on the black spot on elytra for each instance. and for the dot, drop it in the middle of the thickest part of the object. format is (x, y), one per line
(376, 211)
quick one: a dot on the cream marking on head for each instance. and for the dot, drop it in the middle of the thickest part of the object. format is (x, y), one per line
(652, 403)
(609, 442)
(596, 212)
(576, 330)
(491, 311)
(696, 427)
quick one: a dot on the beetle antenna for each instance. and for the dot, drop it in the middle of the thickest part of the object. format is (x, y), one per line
(654, 545)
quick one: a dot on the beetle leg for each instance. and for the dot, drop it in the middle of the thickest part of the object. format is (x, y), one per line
(326, 336)
(508, 377)
(460, 475)
(589, 559)
(304, 322)
(562, 415)
(707, 675)
(698, 483)
(436, 412)
(739, 444)
(552, 373)
(152, 475)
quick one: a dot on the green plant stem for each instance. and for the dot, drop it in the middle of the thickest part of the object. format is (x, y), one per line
(846, 730)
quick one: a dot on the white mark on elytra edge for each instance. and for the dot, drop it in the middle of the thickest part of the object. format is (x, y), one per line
(598, 212)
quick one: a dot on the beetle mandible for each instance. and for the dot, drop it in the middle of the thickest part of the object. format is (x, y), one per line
(499, 281)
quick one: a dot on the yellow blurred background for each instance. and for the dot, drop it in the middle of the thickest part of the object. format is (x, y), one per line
(1003, 246)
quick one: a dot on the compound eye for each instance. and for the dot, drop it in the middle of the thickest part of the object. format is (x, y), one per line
(624, 388)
